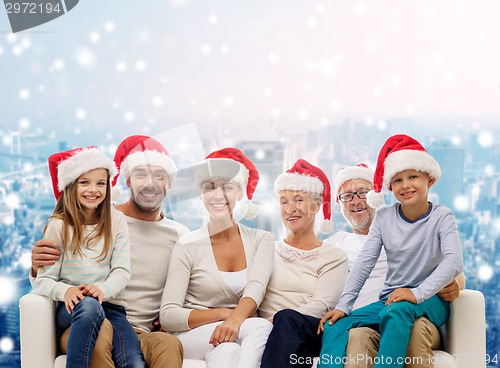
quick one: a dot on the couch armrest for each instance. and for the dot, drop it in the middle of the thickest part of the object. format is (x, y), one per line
(38, 331)
(466, 330)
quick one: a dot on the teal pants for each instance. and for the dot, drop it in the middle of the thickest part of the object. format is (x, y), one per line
(394, 322)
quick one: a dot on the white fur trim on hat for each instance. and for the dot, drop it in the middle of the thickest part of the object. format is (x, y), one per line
(304, 183)
(222, 171)
(81, 162)
(149, 158)
(351, 173)
(410, 160)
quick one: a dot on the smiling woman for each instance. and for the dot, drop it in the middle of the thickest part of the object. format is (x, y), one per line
(218, 274)
(308, 274)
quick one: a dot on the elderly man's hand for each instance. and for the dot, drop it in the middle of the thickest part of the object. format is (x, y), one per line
(450, 292)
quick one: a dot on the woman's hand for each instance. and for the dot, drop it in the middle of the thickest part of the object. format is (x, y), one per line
(227, 331)
(333, 316)
(400, 295)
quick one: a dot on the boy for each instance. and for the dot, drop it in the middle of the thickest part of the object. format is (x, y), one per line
(423, 254)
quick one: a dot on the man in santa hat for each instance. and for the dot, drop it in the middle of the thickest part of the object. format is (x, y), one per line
(149, 173)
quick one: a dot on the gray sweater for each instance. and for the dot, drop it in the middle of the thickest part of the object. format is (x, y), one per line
(151, 244)
(194, 281)
(423, 255)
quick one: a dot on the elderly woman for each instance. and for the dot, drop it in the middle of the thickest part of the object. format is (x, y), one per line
(218, 274)
(308, 275)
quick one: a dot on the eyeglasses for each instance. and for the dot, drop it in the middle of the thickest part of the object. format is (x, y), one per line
(349, 196)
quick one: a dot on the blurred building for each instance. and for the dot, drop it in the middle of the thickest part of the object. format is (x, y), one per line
(267, 157)
(451, 160)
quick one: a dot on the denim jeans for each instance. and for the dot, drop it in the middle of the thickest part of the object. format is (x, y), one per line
(85, 322)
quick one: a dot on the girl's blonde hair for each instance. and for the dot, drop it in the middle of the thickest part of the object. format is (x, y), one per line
(70, 212)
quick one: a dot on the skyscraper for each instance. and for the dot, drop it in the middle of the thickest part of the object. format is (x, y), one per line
(451, 159)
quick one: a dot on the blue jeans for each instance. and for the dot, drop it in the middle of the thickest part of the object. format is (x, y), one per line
(293, 342)
(85, 322)
(394, 323)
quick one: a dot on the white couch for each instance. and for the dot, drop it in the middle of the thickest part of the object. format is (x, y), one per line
(464, 336)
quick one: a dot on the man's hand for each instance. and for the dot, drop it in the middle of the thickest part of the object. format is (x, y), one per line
(72, 297)
(400, 295)
(450, 292)
(93, 291)
(157, 325)
(333, 316)
(44, 253)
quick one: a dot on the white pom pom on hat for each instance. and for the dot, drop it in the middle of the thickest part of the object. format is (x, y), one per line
(306, 177)
(400, 152)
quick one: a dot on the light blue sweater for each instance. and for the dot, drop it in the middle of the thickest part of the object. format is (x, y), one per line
(423, 255)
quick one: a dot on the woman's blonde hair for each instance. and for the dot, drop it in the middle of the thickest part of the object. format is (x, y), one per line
(70, 212)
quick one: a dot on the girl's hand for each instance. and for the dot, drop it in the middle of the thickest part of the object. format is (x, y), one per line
(72, 297)
(333, 316)
(93, 291)
(225, 332)
(400, 295)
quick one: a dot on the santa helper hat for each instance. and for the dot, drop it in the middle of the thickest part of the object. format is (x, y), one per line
(139, 150)
(360, 171)
(247, 175)
(400, 152)
(65, 167)
(308, 178)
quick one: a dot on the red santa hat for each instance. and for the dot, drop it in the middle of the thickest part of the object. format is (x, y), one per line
(65, 167)
(311, 179)
(400, 152)
(230, 163)
(360, 171)
(138, 150)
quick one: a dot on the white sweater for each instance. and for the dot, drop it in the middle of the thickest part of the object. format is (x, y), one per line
(195, 283)
(308, 281)
(352, 244)
(110, 274)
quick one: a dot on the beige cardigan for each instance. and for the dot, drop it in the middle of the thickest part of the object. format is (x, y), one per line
(194, 281)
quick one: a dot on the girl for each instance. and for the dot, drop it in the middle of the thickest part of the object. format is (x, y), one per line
(95, 264)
